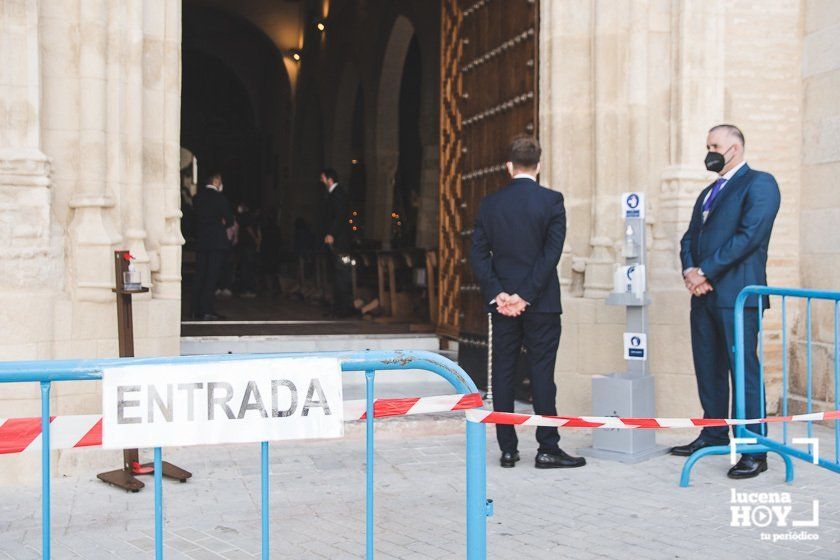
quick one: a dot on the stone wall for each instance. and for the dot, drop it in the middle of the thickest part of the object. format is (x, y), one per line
(628, 92)
(819, 236)
(89, 163)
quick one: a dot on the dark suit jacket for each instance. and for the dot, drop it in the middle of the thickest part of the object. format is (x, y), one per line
(337, 218)
(731, 247)
(212, 216)
(517, 243)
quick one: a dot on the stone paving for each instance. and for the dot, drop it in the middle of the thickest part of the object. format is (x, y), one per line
(605, 510)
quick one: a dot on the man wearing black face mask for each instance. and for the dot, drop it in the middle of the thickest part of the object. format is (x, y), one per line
(723, 251)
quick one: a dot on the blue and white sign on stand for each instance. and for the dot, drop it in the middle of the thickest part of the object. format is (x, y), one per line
(635, 346)
(632, 205)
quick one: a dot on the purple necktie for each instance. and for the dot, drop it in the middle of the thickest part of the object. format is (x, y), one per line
(713, 195)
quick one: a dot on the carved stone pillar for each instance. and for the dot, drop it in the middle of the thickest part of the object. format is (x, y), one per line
(380, 199)
(697, 102)
(132, 138)
(24, 169)
(612, 156)
(91, 236)
(566, 111)
(168, 278)
(427, 213)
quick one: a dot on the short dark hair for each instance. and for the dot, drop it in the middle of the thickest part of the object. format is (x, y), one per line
(732, 130)
(330, 173)
(524, 152)
(213, 174)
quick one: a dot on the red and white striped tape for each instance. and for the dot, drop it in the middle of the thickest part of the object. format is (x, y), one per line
(614, 422)
(24, 434)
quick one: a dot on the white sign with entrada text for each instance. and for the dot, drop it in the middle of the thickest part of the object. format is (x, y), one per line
(221, 402)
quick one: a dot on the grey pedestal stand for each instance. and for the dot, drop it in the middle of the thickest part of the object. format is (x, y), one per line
(629, 393)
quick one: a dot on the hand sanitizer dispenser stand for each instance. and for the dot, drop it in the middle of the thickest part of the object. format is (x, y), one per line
(629, 393)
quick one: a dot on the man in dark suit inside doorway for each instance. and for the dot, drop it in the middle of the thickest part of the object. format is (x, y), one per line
(516, 245)
(212, 215)
(723, 251)
(338, 239)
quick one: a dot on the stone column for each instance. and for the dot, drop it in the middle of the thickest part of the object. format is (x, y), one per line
(131, 135)
(91, 242)
(566, 110)
(697, 101)
(612, 156)
(24, 169)
(168, 279)
(379, 201)
(427, 213)
(637, 96)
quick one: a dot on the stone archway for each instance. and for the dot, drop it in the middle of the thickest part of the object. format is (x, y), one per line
(380, 200)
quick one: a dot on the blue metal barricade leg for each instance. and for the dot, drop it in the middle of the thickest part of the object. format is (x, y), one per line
(836, 379)
(478, 507)
(784, 369)
(264, 490)
(810, 377)
(685, 475)
(45, 470)
(158, 505)
(369, 376)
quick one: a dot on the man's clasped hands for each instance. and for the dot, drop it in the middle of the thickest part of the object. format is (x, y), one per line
(696, 283)
(514, 306)
(510, 305)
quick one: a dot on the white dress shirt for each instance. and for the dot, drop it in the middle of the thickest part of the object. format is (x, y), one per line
(525, 176)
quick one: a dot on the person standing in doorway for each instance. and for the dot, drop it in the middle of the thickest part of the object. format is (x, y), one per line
(337, 238)
(213, 216)
(516, 246)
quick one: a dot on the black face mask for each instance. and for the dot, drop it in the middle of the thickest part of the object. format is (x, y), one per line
(716, 161)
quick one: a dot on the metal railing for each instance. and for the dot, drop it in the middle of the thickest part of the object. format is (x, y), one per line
(764, 443)
(478, 508)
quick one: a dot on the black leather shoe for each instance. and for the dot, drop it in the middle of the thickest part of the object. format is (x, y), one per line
(748, 467)
(508, 460)
(557, 460)
(688, 450)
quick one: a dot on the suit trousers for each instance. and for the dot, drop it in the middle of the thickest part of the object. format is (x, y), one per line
(208, 269)
(540, 334)
(713, 345)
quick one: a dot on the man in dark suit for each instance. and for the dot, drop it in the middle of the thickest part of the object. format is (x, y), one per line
(724, 250)
(212, 215)
(516, 245)
(338, 239)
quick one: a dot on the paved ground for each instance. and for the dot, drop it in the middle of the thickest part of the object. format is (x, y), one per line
(605, 510)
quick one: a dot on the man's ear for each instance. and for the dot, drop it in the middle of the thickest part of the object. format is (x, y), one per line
(509, 166)
(537, 172)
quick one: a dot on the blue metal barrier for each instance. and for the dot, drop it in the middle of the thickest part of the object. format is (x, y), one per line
(478, 507)
(763, 442)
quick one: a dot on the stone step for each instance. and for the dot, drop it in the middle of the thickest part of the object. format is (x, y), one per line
(258, 344)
